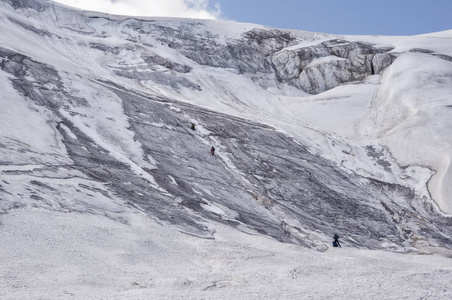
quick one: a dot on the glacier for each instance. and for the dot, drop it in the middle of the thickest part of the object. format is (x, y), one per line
(316, 134)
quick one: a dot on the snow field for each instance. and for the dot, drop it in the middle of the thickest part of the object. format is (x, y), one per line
(48, 254)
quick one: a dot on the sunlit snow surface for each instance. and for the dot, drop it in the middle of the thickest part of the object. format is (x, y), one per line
(84, 256)
(105, 192)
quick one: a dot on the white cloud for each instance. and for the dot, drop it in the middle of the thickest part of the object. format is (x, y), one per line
(198, 9)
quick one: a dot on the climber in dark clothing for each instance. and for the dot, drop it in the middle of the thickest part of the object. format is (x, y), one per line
(193, 126)
(336, 241)
(212, 150)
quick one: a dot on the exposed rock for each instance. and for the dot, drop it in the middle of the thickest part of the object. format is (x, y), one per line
(331, 63)
(443, 56)
(381, 61)
(158, 60)
(104, 48)
(269, 41)
(324, 76)
(420, 50)
(194, 41)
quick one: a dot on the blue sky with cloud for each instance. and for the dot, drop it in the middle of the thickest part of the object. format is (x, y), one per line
(383, 17)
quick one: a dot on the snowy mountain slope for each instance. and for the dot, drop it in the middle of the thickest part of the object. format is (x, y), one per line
(104, 119)
(97, 118)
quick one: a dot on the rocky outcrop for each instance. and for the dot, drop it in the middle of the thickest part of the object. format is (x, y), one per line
(331, 63)
(157, 60)
(194, 41)
(381, 61)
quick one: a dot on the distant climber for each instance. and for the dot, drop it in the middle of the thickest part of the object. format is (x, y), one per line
(212, 150)
(336, 241)
(193, 126)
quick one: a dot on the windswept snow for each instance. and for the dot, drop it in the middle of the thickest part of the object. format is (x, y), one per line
(85, 256)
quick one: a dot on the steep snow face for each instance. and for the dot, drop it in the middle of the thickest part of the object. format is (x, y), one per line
(109, 101)
(419, 129)
(139, 150)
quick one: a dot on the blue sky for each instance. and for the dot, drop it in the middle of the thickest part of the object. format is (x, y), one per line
(379, 17)
(364, 17)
